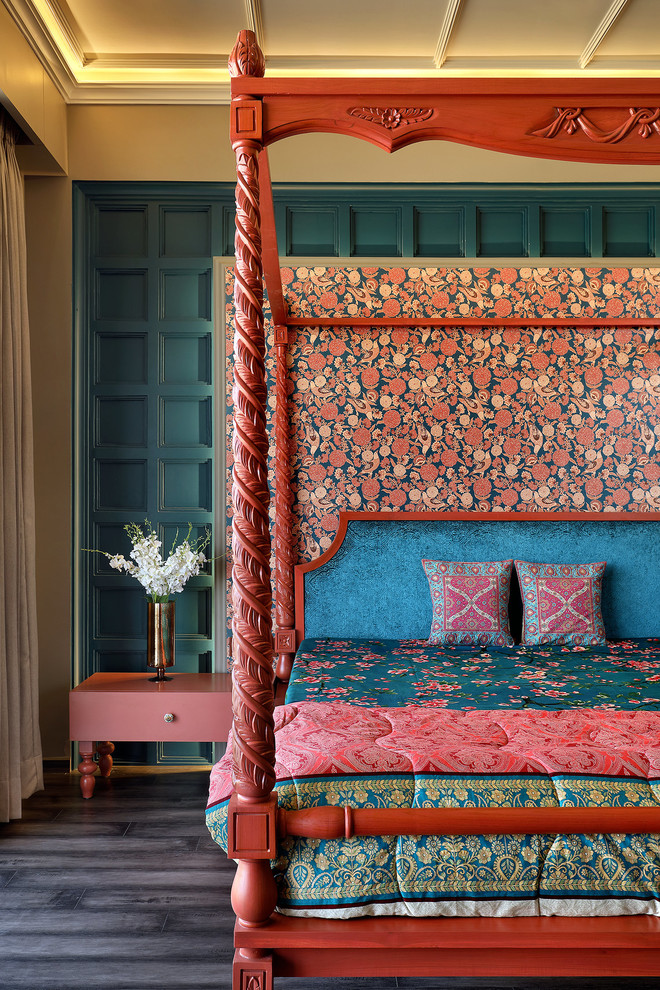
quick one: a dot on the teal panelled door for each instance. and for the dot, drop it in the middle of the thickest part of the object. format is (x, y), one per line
(147, 429)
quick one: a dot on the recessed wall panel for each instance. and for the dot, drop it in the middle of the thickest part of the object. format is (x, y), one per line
(627, 232)
(185, 359)
(186, 485)
(185, 422)
(376, 231)
(120, 613)
(564, 232)
(121, 422)
(121, 484)
(185, 233)
(312, 231)
(193, 613)
(185, 295)
(121, 358)
(439, 233)
(121, 233)
(188, 662)
(121, 295)
(122, 661)
(501, 232)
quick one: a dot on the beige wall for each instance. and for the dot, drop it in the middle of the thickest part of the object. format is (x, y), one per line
(48, 215)
(176, 143)
(191, 144)
(335, 158)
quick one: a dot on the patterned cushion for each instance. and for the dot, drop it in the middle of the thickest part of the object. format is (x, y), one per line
(561, 603)
(470, 602)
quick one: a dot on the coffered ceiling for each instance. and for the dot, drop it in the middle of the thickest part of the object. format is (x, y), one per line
(175, 51)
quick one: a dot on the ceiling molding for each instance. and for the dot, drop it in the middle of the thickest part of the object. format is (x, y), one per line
(138, 62)
(539, 66)
(597, 38)
(448, 25)
(84, 77)
(645, 65)
(373, 65)
(254, 20)
(158, 93)
(59, 29)
(212, 85)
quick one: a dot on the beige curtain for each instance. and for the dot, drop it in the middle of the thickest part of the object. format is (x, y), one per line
(20, 745)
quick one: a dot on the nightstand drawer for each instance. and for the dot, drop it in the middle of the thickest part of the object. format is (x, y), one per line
(121, 707)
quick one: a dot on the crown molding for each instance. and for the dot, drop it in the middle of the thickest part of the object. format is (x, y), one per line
(641, 67)
(131, 93)
(349, 65)
(137, 62)
(115, 77)
(52, 16)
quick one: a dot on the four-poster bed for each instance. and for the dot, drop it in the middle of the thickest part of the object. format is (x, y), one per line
(593, 120)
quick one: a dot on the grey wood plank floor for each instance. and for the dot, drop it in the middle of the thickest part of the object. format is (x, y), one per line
(128, 892)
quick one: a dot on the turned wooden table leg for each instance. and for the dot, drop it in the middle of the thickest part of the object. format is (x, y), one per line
(87, 768)
(105, 751)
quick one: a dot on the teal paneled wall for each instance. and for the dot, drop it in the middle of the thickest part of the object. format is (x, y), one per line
(144, 416)
(145, 428)
(467, 221)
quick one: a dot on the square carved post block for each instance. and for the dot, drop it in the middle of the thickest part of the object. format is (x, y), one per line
(252, 971)
(246, 120)
(252, 829)
(285, 647)
(285, 641)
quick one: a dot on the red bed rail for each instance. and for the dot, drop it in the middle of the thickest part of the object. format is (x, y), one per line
(345, 822)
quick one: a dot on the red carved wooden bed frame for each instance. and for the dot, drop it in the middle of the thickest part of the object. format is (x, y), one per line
(594, 120)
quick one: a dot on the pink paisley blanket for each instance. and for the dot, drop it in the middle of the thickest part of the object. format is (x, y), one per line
(336, 753)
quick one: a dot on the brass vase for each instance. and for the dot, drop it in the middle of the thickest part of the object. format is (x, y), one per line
(160, 638)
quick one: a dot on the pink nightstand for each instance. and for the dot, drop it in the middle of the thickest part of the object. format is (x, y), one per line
(189, 708)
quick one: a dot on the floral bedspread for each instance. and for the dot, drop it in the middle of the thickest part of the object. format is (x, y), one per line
(333, 753)
(393, 673)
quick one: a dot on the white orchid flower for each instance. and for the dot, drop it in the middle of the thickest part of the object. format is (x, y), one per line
(160, 578)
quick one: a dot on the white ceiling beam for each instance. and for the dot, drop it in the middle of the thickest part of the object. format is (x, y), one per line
(597, 38)
(255, 20)
(451, 17)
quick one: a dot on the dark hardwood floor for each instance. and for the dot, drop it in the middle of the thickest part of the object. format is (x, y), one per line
(127, 892)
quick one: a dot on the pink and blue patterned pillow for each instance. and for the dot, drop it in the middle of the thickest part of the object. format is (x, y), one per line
(470, 602)
(561, 603)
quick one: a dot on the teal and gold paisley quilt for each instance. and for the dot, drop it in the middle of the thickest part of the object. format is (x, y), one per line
(421, 755)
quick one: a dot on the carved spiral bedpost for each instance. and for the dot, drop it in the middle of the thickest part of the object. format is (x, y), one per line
(285, 636)
(253, 808)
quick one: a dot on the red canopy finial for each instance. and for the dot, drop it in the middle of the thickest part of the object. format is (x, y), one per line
(247, 59)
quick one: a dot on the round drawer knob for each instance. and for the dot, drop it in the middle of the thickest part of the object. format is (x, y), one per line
(169, 717)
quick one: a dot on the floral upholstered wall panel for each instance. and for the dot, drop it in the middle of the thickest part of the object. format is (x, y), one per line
(510, 417)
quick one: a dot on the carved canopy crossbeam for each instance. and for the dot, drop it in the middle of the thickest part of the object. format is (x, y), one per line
(595, 120)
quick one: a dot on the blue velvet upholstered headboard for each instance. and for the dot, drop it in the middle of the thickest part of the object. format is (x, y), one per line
(370, 583)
